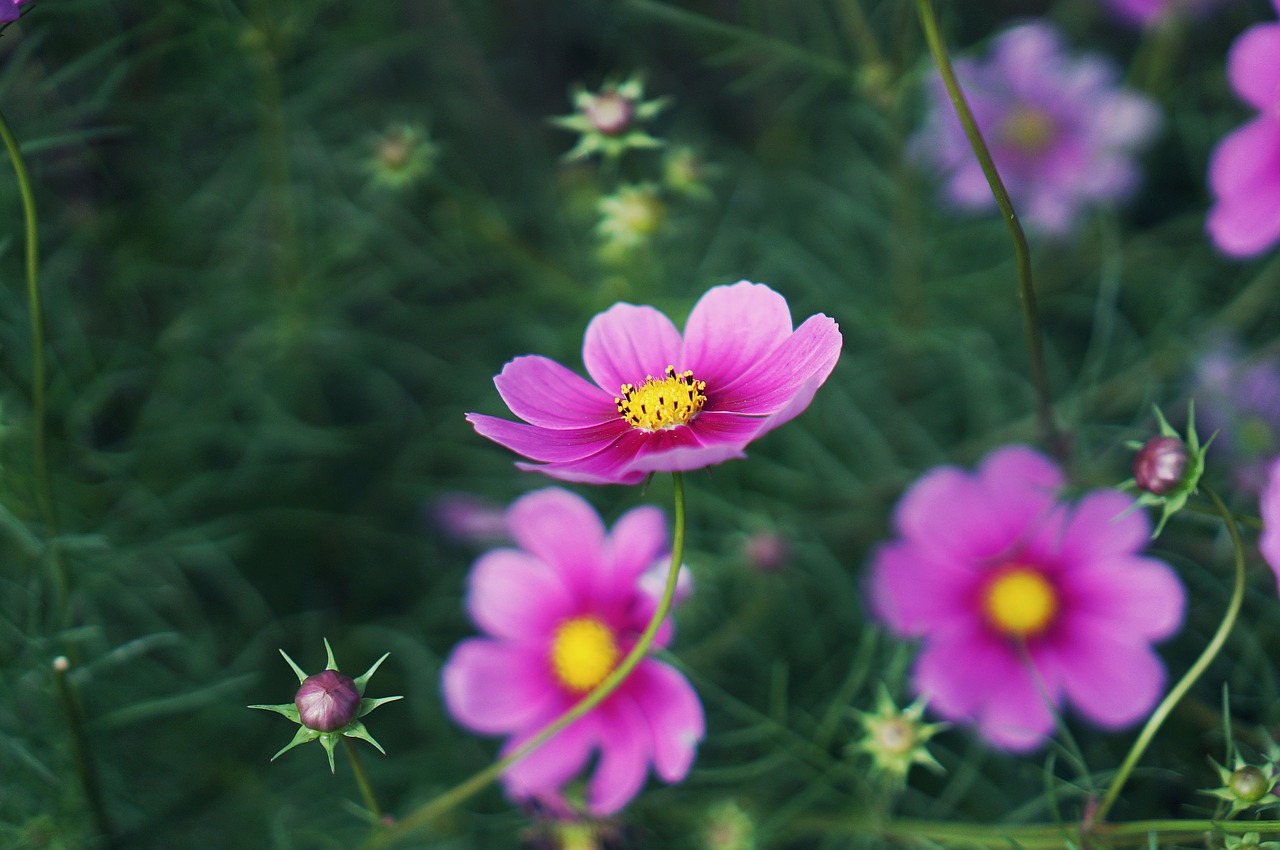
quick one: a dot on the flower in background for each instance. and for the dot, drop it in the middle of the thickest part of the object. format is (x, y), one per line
(560, 612)
(1239, 399)
(628, 218)
(1152, 13)
(1269, 508)
(10, 10)
(897, 738)
(608, 120)
(663, 402)
(402, 156)
(728, 827)
(1061, 130)
(1023, 602)
(1244, 169)
(468, 518)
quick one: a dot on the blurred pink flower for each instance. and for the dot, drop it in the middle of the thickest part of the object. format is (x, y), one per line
(1269, 508)
(1062, 131)
(1244, 169)
(1150, 13)
(559, 613)
(10, 10)
(663, 402)
(468, 518)
(1023, 602)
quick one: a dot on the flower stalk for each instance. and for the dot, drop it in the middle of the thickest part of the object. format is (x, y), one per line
(362, 779)
(1053, 438)
(86, 769)
(450, 799)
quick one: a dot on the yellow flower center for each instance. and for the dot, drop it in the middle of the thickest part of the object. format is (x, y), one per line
(1020, 602)
(662, 403)
(1028, 129)
(582, 653)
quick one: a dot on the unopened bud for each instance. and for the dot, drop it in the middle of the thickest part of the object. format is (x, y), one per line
(1160, 465)
(1249, 783)
(327, 701)
(610, 113)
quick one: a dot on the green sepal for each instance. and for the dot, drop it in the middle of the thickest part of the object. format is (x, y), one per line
(355, 729)
(363, 680)
(328, 740)
(368, 705)
(296, 669)
(288, 709)
(302, 736)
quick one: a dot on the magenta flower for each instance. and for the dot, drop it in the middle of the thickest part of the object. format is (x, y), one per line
(1269, 508)
(1022, 602)
(663, 402)
(1244, 169)
(560, 612)
(1150, 13)
(1061, 130)
(10, 10)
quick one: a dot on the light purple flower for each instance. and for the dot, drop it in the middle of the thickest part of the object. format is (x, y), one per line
(1061, 130)
(1239, 399)
(1269, 508)
(1023, 602)
(10, 10)
(1244, 169)
(1151, 13)
(559, 613)
(663, 402)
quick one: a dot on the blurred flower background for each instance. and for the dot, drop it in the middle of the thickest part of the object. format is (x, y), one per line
(284, 248)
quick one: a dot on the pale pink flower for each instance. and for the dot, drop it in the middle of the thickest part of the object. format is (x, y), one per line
(1023, 602)
(559, 613)
(662, 401)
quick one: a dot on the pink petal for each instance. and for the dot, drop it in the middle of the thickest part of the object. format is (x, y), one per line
(610, 465)
(926, 514)
(565, 532)
(625, 749)
(676, 722)
(1253, 66)
(710, 440)
(625, 344)
(807, 356)
(494, 687)
(545, 771)
(542, 392)
(638, 539)
(1269, 508)
(547, 444)
(514, 595)
(900, 571)
(1018, 715)
(1112, 682)
(1244, 172)
(1099, 527)
(1127, 598)
(1019, 490)
(732, 329)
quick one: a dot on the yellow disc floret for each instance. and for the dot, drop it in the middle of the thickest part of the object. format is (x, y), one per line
(662, 403)
(1028, 129)
(583, 652)
(1020, 602)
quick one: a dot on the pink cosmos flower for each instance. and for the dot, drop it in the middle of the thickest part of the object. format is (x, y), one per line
(1061, 130)
(663, 402)
(1023, 602)
(560, 612)
(1244, 169)
(1269, 508)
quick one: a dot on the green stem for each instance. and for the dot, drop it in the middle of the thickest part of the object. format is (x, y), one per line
(445, 802)
(82, 752)
(362, 779)
(1054, 836)
(1026, 292)
(40, 455)
(1191, 676)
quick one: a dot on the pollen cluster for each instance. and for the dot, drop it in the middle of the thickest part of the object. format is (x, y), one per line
(662, 403)
(583, 652)
(1020, 602)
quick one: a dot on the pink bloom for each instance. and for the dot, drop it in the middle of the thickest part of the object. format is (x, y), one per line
(1269, 507)
(663, 402)
(560, 612)
(1061, 129)
(1244, 169)
(1022, 602)
(9, 10)
(1150, 13)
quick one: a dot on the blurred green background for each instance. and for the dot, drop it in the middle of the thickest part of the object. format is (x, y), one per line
(260, 351)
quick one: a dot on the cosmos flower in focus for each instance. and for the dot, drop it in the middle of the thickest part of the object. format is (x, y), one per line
(1061, 130)
(1023, 602)
(663, 401)
(1244, 168)
(559, 613)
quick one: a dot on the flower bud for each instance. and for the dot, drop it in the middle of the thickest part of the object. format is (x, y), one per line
(327, 701)
(1160, 465)
(1249, 783)
(609, 112)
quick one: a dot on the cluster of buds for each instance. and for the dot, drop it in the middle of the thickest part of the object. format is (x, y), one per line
(1167, 468)
(328, 706)
(897, 738)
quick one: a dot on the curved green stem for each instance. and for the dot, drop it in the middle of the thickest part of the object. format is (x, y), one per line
(1191, 676)
(1026, 292)
(362, 779)
(432, 809)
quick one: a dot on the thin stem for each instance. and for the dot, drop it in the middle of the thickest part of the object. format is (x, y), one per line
(81, 750)
(1191, 676)
(432, 809)
(1054, 836)
(362, 779)
(1026, 292)
(40, 456)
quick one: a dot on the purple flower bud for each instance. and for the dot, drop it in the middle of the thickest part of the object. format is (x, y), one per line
(1160, 465)
(327, 701)
(1249, 783)
(610, 113)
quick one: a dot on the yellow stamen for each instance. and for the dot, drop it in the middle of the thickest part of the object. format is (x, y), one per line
(1028, 129)
(583, 652)
(1020, 602)
(662, 403)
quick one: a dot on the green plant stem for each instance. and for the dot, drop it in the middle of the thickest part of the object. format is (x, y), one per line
(1026, 292)
(445, 802)
(44, 484)
(83, 754)
(1054, 836)
(362, 779)
(1191, 676)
